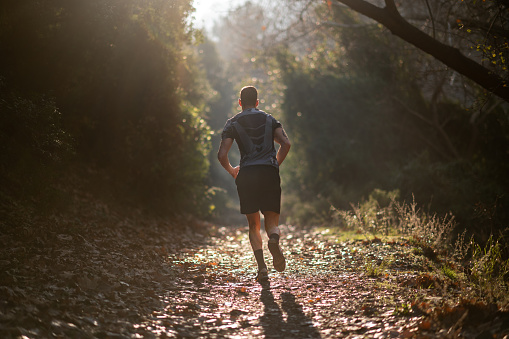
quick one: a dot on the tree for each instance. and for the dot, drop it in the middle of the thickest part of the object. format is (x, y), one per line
(390, 17)
(394, 123)
(116, 71)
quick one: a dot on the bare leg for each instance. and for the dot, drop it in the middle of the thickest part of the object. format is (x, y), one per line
(273, 232)
(255, 237)
(271, 223)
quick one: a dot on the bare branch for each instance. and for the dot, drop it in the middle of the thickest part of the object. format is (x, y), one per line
(437, 126)
(413, 112)
(337, 24)
(431, 18)
(491, 26)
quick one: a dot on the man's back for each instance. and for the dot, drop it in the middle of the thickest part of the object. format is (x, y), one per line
(253, 130)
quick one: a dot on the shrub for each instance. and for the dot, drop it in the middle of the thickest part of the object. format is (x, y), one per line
(489, 270)
(33, 142)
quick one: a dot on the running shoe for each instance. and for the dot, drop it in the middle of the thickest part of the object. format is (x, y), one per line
(263, 275)
(278, 258)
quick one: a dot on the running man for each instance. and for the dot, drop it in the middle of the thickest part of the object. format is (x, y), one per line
(257, 177)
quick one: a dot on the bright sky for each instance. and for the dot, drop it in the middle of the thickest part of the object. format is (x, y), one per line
(207, 11)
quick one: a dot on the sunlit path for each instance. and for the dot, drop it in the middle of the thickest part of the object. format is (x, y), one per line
(327, 291)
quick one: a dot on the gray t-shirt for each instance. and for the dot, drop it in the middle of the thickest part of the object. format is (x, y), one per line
(253, 130)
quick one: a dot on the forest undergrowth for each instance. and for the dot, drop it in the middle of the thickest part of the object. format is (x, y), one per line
(452, 254)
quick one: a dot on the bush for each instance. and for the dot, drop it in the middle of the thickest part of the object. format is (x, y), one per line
(33, 143)
(376, 215)
(490, 271)
(487, 266)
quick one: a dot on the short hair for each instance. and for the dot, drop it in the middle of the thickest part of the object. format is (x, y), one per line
(248, 96)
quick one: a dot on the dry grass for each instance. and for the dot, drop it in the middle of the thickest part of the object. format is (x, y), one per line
(481, 267)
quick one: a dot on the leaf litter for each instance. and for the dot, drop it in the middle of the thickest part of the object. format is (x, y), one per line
(139, 278)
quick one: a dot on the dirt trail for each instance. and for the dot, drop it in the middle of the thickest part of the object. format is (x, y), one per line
(135, 280)
(324, 293)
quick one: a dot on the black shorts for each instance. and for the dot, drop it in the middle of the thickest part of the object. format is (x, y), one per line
(259, 189)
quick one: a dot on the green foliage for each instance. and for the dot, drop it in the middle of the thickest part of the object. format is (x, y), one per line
(449, 272)
(329, 147)
(33, 145)
(305, 212)
(375, 270)
(486, 265)
(347, 134)
(431, 234)
(357, 125)
(490, 270)
(220, 97)
(119, 76)
(471, 189)
(484, 24)
(375, 216)
(38, 120)
(404, 309)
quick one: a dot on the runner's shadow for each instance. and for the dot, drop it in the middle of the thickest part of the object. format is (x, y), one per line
(297, 324)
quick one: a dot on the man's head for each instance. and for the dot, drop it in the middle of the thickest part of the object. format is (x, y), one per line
(248, 97)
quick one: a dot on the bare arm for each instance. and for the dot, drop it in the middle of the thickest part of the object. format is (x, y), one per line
(222, 156)
(282, 139)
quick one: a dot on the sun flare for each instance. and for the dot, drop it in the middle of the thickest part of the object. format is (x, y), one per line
(207, 11)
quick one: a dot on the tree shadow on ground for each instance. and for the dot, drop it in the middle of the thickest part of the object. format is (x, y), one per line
(297, 324)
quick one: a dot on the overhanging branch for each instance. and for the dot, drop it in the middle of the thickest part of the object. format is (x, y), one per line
(449, 56)
(390, 5)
